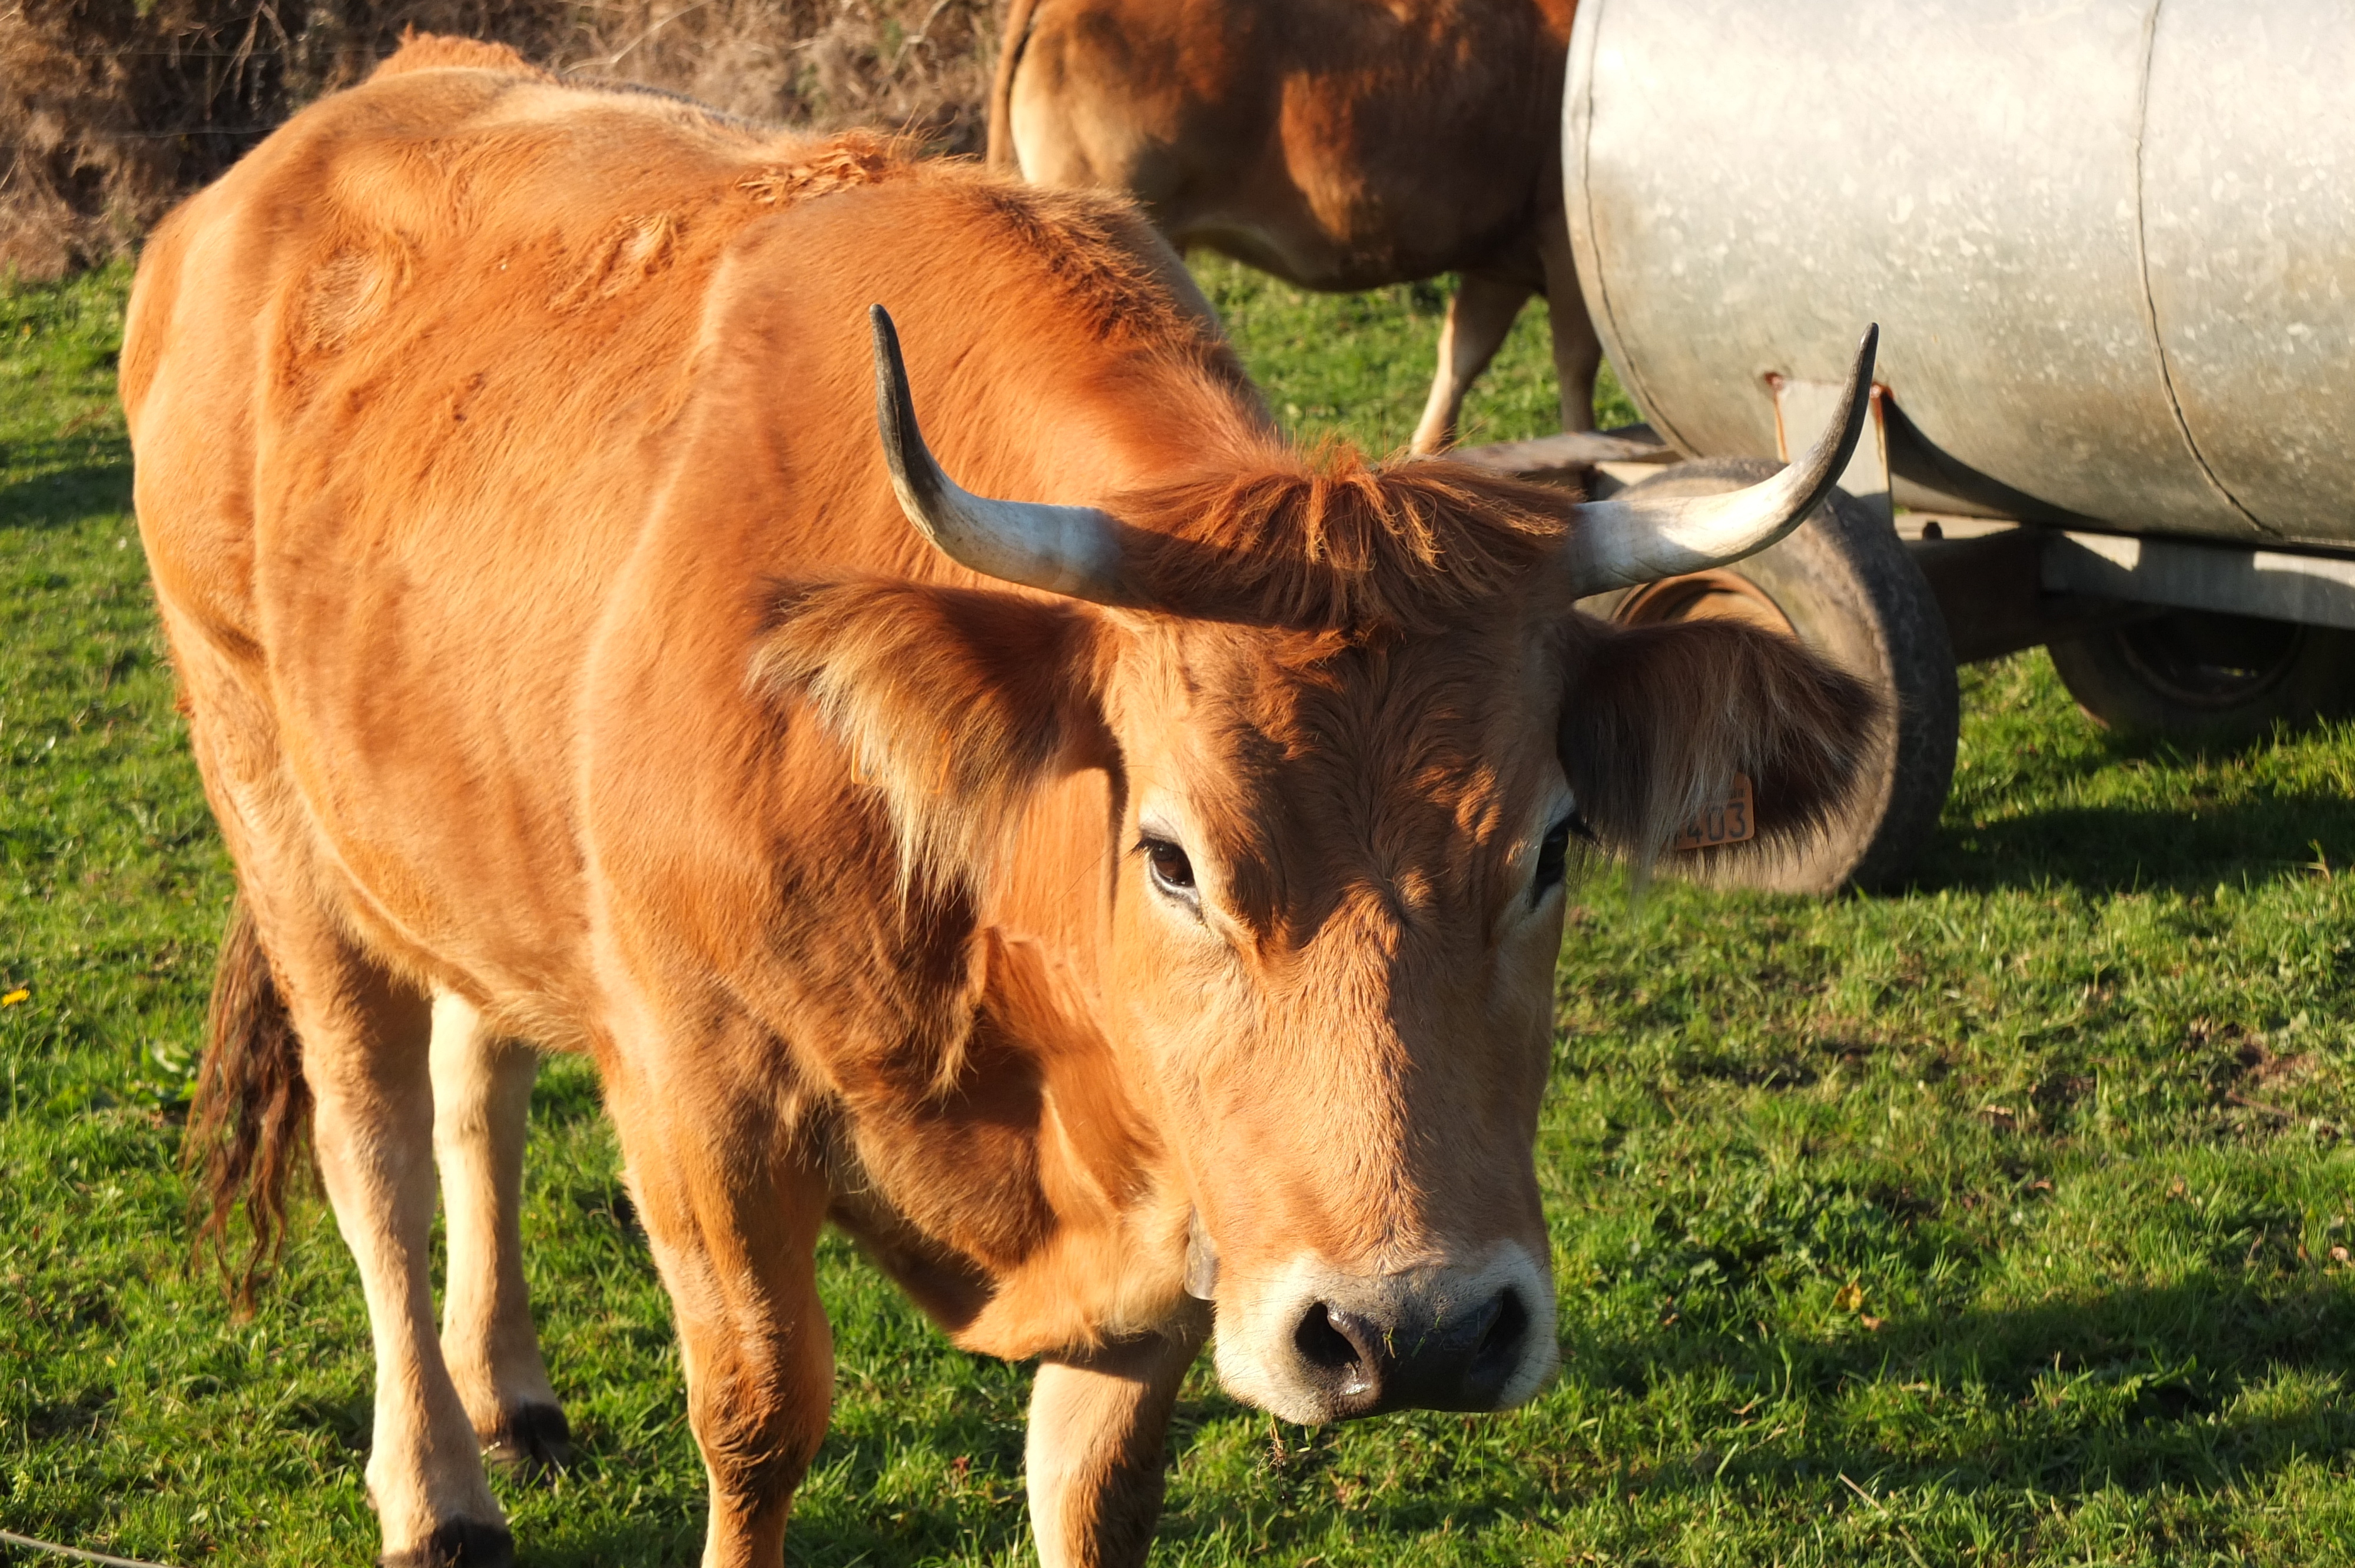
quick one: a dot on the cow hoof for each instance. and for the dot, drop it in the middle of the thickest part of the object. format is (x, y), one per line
(531, 1441)
(460, 1544)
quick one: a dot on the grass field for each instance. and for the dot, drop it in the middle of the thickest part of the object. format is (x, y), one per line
(2003, 1221)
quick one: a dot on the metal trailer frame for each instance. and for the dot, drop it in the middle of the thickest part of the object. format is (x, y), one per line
(2003, 584)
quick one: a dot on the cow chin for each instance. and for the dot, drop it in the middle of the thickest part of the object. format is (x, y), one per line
(1318, 1344)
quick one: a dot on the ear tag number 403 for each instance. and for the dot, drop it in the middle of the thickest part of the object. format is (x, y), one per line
(1723, 821)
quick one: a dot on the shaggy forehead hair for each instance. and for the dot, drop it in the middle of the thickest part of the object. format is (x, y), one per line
(1345, 662)
(1321, 761)
(1326, 541)
(1292, 594)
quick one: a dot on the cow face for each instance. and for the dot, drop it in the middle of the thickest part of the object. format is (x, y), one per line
(1335, 933)
(1340, 867)
(1359, 739)
(1338, 905)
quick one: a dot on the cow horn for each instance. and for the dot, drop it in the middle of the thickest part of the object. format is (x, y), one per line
(1641, 539)
(1069, 550)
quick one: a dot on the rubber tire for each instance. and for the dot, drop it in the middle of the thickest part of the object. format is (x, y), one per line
(2116, 685)
(1850, 592)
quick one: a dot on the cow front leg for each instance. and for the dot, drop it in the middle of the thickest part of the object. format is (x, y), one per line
(482, 1109)
(1099, 1424)
(1478, 320)
(364, 1052)
(732, 1214)
(1577, 350)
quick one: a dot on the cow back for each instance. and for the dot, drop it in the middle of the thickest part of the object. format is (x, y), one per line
(479, 416)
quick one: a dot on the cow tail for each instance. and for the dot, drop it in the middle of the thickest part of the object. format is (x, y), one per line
(1001, 89)
(251, 1115)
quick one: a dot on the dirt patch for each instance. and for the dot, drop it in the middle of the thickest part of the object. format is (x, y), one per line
(111, 110)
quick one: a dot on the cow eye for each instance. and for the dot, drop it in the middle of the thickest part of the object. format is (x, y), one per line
(1553, 854)
(1172, 872)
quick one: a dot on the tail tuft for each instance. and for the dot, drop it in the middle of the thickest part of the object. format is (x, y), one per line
(251, 1117)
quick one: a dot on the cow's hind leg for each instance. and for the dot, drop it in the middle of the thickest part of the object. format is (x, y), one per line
(1479, 318)
(366, 1040)
(1577, 350)
(1097, 1427)
(482, 1107)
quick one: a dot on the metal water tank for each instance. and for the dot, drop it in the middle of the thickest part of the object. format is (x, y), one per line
(2111, 243)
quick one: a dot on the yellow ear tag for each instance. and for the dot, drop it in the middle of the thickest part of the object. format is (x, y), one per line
(1725, 821)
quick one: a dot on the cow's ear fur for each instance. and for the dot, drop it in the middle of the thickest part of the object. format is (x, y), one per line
(1657, 721)
(957, 704)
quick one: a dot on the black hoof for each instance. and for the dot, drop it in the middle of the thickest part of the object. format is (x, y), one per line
(460, 1544)
(530, 1441)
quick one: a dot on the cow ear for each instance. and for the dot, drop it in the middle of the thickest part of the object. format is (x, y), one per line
(957, 704)
(1657, 720)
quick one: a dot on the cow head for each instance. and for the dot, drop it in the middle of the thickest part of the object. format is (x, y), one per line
(1354, 764)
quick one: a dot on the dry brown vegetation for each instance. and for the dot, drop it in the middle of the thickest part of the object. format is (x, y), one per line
(112, 109)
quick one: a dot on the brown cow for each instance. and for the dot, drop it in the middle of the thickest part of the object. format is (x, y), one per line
(1114, 913)
(1337, 143)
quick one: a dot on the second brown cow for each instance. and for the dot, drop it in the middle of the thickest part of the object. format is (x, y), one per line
(1337, 143)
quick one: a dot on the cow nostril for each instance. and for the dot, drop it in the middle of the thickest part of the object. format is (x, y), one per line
(1510, 1325)
(1438, 1356)
(1320, 1343)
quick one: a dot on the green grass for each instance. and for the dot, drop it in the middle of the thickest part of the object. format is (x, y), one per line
(1991, 1223)
(1359, 366)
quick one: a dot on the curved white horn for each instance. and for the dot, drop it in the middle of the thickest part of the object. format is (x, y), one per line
(1623, 541)
(1070, 550)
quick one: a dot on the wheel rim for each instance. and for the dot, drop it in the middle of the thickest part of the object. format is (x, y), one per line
(1716, 594)
(2214, 662)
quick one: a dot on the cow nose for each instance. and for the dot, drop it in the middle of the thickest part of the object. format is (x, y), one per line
(1458, 1362)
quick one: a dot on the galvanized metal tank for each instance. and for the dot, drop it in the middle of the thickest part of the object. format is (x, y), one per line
(2111, 243)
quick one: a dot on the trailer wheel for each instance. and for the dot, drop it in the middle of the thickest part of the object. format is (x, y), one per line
(2204, 679)
(1843, 585)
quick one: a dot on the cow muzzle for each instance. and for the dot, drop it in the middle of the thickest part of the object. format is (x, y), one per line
(1321, 1345)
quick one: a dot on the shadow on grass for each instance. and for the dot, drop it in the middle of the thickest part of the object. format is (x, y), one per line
(2099, 849)
(2142, 1389)
(72, 483)
(982, 1513)
(2138, 1388)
